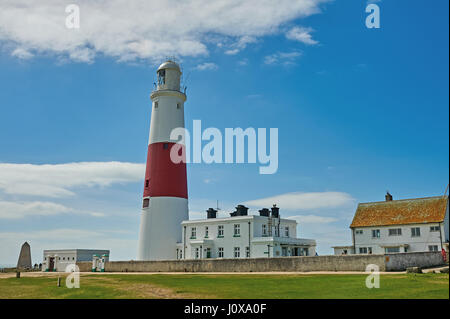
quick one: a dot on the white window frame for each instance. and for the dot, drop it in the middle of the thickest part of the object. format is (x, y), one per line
(237, 230)
(264, 230)
(286, 231)
(395, 232)
(431, 248)
(220, 231)
(247, 252)
(237, 252)
(193, 232)
(435, 228)
(197, 253)
(206, 231)
(376, 232)
(415, 232)
(393, 250)
(220, 252)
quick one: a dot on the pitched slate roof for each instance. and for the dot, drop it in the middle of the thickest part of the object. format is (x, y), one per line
(401, 212)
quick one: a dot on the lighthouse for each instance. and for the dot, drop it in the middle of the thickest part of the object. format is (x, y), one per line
(165, 200)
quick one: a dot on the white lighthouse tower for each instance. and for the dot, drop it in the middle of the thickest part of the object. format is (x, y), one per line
(165, 202)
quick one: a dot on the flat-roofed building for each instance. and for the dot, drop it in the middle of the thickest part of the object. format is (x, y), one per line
(59, 259)
(243, 236)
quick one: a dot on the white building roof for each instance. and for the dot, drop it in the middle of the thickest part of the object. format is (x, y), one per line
(231, 219)
(75, 250)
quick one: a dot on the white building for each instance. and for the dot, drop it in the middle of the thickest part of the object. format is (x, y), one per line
(59, 259)
(397, 226)
(242, 236)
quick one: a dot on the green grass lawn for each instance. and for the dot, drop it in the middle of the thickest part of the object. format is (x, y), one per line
(229, 286)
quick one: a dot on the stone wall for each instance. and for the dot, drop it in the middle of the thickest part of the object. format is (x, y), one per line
(391, 262)
(316, 263)
(398, 262)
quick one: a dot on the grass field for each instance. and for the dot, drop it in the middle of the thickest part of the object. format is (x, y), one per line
(289, 286)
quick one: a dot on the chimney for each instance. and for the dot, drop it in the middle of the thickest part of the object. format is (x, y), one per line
(275, 211)
(241, 210)
(388, 197)
(212, 213)
(264, 212)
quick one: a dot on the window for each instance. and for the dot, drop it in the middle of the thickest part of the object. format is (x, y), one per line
(247, 252)
(146, 202)
(395, 232)
(64, 258)
(166, 146)
(237, 252)
(197, 253)
(359, 232)
(392, 250)
(237, 230)
(286, 231)
(220, 231)
(434, 228)
(206, 232)
(181, 254)
(363, 250)
(264, 230)
(415, 232)
(433, 248)
(220, 252)
(375, 233)
(161, 77)
(193, 232)
(156, 105)
(147, 182)
(178, 106)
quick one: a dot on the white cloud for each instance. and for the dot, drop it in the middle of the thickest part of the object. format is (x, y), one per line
(145, 29)
(207, 66)
(232, 51)
(240, 45)
(14, 210)
(301, 34)
(304, 201)
(22, 54)
(57, 180)
(17, 210)
(243, 62)
(284, 58)
(312, 219)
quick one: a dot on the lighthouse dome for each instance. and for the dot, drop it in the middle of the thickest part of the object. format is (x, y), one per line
(169, 75)
(169, 65)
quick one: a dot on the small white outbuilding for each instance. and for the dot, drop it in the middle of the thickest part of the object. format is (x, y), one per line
(59, 259)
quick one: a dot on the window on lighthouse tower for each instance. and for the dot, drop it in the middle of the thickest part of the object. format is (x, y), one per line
(161, 77)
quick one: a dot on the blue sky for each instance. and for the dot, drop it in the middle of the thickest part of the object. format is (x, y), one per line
(359, 111)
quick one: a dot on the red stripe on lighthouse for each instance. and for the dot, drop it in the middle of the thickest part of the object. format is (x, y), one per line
(162, 176)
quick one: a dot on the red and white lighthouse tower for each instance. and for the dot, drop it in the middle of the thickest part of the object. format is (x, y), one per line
(165, 202)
